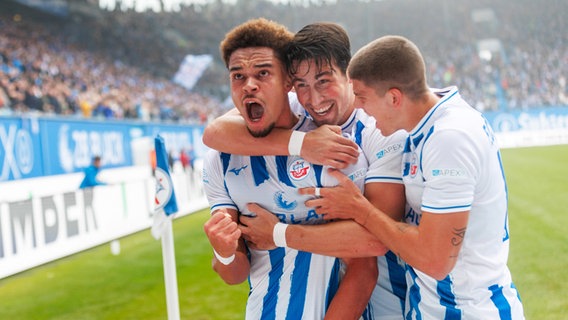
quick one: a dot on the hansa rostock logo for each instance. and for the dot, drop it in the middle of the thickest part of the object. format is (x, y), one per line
(299, 169)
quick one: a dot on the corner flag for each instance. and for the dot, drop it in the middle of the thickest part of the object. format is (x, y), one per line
(166, 207)
(165, 199)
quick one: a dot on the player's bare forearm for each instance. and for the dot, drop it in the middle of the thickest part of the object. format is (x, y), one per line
(354, 290)
(344, 238)
(237, 271)
(225, 238)
(324, 145)
(229, 134)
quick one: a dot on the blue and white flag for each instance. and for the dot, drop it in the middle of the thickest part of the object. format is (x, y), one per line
(165, 198)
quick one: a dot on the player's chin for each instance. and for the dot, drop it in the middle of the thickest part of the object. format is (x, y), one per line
(259, 130)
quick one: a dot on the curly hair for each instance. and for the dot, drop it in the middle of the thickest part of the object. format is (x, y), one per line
(257, 33)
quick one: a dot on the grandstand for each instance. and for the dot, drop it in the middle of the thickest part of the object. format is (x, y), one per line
(119, 64)
(44, 71)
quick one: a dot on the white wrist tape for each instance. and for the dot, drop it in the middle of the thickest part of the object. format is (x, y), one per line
(226, 261)
(279, 234)
(295, 143)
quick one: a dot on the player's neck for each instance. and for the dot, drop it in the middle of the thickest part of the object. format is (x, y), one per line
(287, 119)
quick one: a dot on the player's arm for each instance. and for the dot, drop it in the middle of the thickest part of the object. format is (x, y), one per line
(432, 247)
(344, 238)
(325, 145)
(230, 260)
(354, 290)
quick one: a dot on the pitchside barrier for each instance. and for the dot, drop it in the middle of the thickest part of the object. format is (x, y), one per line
(44, 216)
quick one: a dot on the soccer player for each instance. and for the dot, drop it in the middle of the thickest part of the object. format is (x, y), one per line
(284, 283)
(455, 240)
(317, 60)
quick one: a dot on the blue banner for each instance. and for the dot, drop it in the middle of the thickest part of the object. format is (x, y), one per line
(40, 146)
(69, 146)
(528, 120)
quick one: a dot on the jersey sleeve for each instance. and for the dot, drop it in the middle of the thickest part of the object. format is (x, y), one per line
(450, 168)
(384, 154)
(295, 105)
(214, 182)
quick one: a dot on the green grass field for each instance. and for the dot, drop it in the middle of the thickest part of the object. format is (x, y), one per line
(97, 285)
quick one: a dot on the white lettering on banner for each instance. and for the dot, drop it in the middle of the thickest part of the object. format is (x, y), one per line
(543, 121)
(18, 152)
(175, 141)
(86, 144)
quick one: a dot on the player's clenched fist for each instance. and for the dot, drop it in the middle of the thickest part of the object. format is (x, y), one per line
(223, 233)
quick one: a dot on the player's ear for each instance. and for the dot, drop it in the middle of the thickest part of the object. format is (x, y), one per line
(287, 80)
(394, 96)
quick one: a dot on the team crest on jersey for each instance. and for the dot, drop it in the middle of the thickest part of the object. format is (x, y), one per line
(163, 188)
(282, 203)
(299, 169)
(413, 166)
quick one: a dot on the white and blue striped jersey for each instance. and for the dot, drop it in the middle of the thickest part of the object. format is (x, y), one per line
(384, 156)
(452, 163)
(284, 283)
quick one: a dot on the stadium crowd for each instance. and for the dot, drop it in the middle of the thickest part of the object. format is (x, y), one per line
(46, 68)
(41, 73)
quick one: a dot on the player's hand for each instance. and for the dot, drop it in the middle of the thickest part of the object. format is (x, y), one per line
(326, 146)
(344, 201)
(257, 231)
(223, 233)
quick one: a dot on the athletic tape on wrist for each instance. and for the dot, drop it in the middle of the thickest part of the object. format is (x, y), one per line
(226, 261)
(279, 234)
(295, 143)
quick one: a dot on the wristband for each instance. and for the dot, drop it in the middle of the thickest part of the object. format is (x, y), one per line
(279, 234)
(295, 143)
(226, 261)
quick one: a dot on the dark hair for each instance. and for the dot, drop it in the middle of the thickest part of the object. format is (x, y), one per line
(390, 62)
(324, 42)
(256, 33)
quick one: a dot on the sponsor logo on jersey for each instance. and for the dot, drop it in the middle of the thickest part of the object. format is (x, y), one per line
(282, 203)
(449, 173)
(358, 174)
(299, 169)
(237, 171)
(390, 149)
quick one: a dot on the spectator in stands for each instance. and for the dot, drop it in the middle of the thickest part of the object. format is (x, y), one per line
(90, 180)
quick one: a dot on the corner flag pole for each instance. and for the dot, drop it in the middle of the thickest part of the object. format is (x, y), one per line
(170, 277)
(166, 207)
